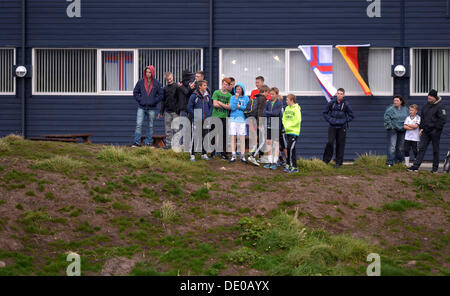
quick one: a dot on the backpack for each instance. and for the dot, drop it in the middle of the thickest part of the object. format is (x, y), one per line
(252, 108)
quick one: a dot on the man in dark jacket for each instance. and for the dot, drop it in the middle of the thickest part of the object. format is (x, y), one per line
(200, 107)
(432, 121)
(170, 107)
(147, 93)
(338, 114)
(186, 88)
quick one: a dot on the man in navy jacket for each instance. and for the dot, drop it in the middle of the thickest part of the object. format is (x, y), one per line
(147, 93)
(338, 114)
(199, 107)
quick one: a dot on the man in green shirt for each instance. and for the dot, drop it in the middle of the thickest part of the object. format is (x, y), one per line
(221, 105)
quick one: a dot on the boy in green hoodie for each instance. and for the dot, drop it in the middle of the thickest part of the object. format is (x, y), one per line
(292, 119)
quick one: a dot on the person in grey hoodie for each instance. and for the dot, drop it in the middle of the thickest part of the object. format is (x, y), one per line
(394, 119)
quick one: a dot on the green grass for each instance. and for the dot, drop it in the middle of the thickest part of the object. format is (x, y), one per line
(283, 246)
(201, 194)
(60, 164)
(401, 205)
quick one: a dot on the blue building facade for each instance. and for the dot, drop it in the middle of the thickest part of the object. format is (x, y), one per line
(207, 34)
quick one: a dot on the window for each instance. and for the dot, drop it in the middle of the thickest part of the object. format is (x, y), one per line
(7, 61)
(170, 60)
(288, 70)
(430, 70)
(117, 74)
(60, 71)
(379, 72)
(245, 64)
(104, 71)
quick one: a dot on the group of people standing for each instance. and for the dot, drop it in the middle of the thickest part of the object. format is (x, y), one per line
(407, 131)
(192, 98)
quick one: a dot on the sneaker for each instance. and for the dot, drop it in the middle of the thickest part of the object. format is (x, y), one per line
(434, 171)
(233, 158)
(213, 154)
(412, 169)
(136, 145)
(293, 170)
(224, 156)
(192, 157)
(252, 160)
(263, 159)
(243, 160)
(286, 169)
(389, 165)
(336, 166)
(273, 166)
(267, 166)
(166, 147)
(205, 157)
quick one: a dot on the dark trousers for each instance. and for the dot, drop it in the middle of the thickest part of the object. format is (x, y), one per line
(410, 145)
(197, 142)
(427, 137)
(338, 135)
(223, 140)
(291, 151)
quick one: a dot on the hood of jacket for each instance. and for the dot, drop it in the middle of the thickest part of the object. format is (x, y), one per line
(437, 101)
(243, 88)
(152, 71)
(187, 77)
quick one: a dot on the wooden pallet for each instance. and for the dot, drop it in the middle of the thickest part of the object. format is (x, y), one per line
(68, 140)
(158, 140)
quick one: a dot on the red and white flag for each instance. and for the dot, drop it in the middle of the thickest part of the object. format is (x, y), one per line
(320, 58)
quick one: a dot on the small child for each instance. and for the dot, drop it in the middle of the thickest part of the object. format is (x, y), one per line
(292, 119)
(412, 136)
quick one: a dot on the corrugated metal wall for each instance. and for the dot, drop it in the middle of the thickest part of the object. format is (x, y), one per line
(176, 23)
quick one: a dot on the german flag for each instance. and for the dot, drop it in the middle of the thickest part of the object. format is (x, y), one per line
(357, 58)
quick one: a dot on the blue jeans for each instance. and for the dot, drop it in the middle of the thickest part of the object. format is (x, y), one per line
(141, 113)
(395, 146)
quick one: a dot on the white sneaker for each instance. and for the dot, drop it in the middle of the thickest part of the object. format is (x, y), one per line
(252, 160)
(264, 159)
(192, 157)
(205, 157)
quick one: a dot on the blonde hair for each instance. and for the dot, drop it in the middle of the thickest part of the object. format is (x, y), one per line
(167, 75)
(414, 106)
(292, 97)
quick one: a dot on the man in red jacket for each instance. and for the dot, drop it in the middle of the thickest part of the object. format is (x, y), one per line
(259, 82)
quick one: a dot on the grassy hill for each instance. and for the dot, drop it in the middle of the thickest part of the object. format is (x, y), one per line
(142, 211)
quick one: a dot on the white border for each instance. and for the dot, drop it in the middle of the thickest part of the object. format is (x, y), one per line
(13, 93)
(307, 93)
(411, 74)
(98, 74)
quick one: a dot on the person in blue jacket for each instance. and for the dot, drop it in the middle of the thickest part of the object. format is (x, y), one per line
(338, 114)
(394, 119)
(272, 112)
(238, 103)
(147, 93)
(199, 107)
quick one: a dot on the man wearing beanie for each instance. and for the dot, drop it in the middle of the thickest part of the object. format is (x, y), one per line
(433, 117)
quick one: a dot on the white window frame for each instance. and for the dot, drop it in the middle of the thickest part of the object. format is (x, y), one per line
(174, 48)
(307, 93)
(411, 80)
(99, 72)
(13, 93)
(33, 80)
